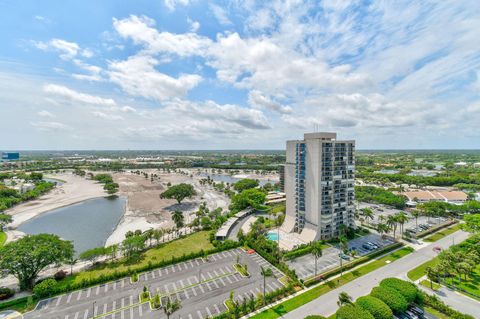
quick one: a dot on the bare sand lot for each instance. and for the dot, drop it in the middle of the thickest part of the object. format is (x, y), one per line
(145, 209)
(74, 190)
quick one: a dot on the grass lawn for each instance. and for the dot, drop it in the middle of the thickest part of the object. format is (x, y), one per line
(443, 233)
(419, 272)
(436, 313)
(472, 284)
(316, 292)
(3, 238)
(191, 243)
(428, 284)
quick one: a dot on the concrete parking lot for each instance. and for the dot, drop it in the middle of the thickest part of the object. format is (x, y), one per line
(201, 285)
(304, 266)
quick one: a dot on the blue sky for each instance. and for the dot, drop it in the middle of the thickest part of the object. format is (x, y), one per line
(191, 74)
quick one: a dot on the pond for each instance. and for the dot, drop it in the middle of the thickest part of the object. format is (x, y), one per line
(88, 224)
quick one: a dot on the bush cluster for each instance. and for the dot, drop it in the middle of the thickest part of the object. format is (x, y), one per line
(45, 288)
(391, 297)
(6, 293)
(352, 311)
(407, 289)
(377, 308)
(439, 305)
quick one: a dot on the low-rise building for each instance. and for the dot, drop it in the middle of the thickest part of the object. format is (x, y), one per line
(422, 196)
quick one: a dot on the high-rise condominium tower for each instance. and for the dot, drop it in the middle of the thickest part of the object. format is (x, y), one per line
(319, 184)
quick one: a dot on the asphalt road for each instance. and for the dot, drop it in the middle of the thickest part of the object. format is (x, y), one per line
(326, 304)
(201, 285)
(457, 301)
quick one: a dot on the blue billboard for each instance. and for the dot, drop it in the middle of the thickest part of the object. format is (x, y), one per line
(10, 156)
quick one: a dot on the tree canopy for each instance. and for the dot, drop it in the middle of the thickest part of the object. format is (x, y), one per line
(28, 256)
(5, 219)
(179, 192)
(244, 184)
(472, 223)
(252, 197)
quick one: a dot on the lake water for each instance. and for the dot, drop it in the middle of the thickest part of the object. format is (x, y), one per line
(88, 224)
(231, 179)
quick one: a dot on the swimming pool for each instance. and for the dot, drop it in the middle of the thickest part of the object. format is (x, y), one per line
(272, 236)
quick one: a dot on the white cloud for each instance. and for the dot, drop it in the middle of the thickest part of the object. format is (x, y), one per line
(257, 99)
(110, 117)
(220, 14)
(49, 126)
(141, 30)
(67, 50)
(44, 113)
(75, 96)
(171, 4)
(137, 76)
(194, 25)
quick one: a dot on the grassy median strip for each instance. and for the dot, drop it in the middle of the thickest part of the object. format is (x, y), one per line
(439, 235)
(3, 238)
(419, 272)
(312, 294)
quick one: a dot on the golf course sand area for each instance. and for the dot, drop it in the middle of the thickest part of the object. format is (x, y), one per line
(145, 209)
(75, 189)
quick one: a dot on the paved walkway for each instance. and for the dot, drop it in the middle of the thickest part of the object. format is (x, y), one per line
(326, 304)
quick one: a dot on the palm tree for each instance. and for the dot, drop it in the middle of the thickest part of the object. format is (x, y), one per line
(416, 214)
(382, 229)
(431, 275)
(344, 299)
(171, 307)
(265, 272)
(71, 261)
(316, 252)
(344, 244)
(392, 223)
(368, 214)
(342, 229)
(402, 218)
(177, 217)
(381, 218)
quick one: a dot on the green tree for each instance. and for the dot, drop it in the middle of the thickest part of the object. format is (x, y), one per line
(367, 214)
(248, 198)
(179, 192)
(28, 256)
(244, 184)
(472, 223)
(344, 299)
(4, 220)
(133, 245)
(316, 252)
(265, 272)
(402, 218)
(416, 214)
(171, 306)
(392, 223)
(178, 219)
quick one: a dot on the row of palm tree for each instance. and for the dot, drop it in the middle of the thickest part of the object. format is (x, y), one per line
(391, 222)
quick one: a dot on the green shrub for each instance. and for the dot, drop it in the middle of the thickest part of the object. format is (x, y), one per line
(45, 288)
(6, 293)
(314, 317)
(352, 312)
(407, 289)
(434, 302)
(375, 306)
(391, 297)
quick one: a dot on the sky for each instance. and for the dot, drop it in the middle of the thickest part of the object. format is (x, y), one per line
(192, 74)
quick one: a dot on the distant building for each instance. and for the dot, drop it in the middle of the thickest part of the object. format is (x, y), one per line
(319, 186)
(476, 165)
(460, 164)
(420, 196)
(10, 156)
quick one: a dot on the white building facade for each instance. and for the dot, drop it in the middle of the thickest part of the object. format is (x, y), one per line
(319, 186)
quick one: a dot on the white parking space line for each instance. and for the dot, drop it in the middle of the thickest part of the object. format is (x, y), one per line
(140, 311)
(104, 308)
(131, 312)
(181, 283)
(166, 271)
(88, 292)
(95, 311)
(196, 261)
(131, 301)
(222, 271)
(122, 314)
(213, 257)
(58, 301)
(186, 294)
(199, 314)
(69, 297)
(106, 287)
(146, 276)
(208, 311)
(201, 288)
(179, 268)
(114, 306)
(194, 291)
(223, 282)
(123, 282)
(66, 317)
(216, 308)
(258, 290)
(98, 290)
(191, 263)
(223, 254)
(228, 279)
(190, 316)
(114, 285)
(85, 315)
(123, 302)
(173, 268)
(185, 265)
(153, 275)
(215, 272)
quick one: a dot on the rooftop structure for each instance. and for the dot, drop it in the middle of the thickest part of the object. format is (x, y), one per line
(436, 195)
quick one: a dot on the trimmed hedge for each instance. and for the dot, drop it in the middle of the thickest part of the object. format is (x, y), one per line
(434, 302)
(391, 297)
(408, 290)
(351, 264)
(375, 306)
(298, 252)
(352, 312)
(45, 288)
